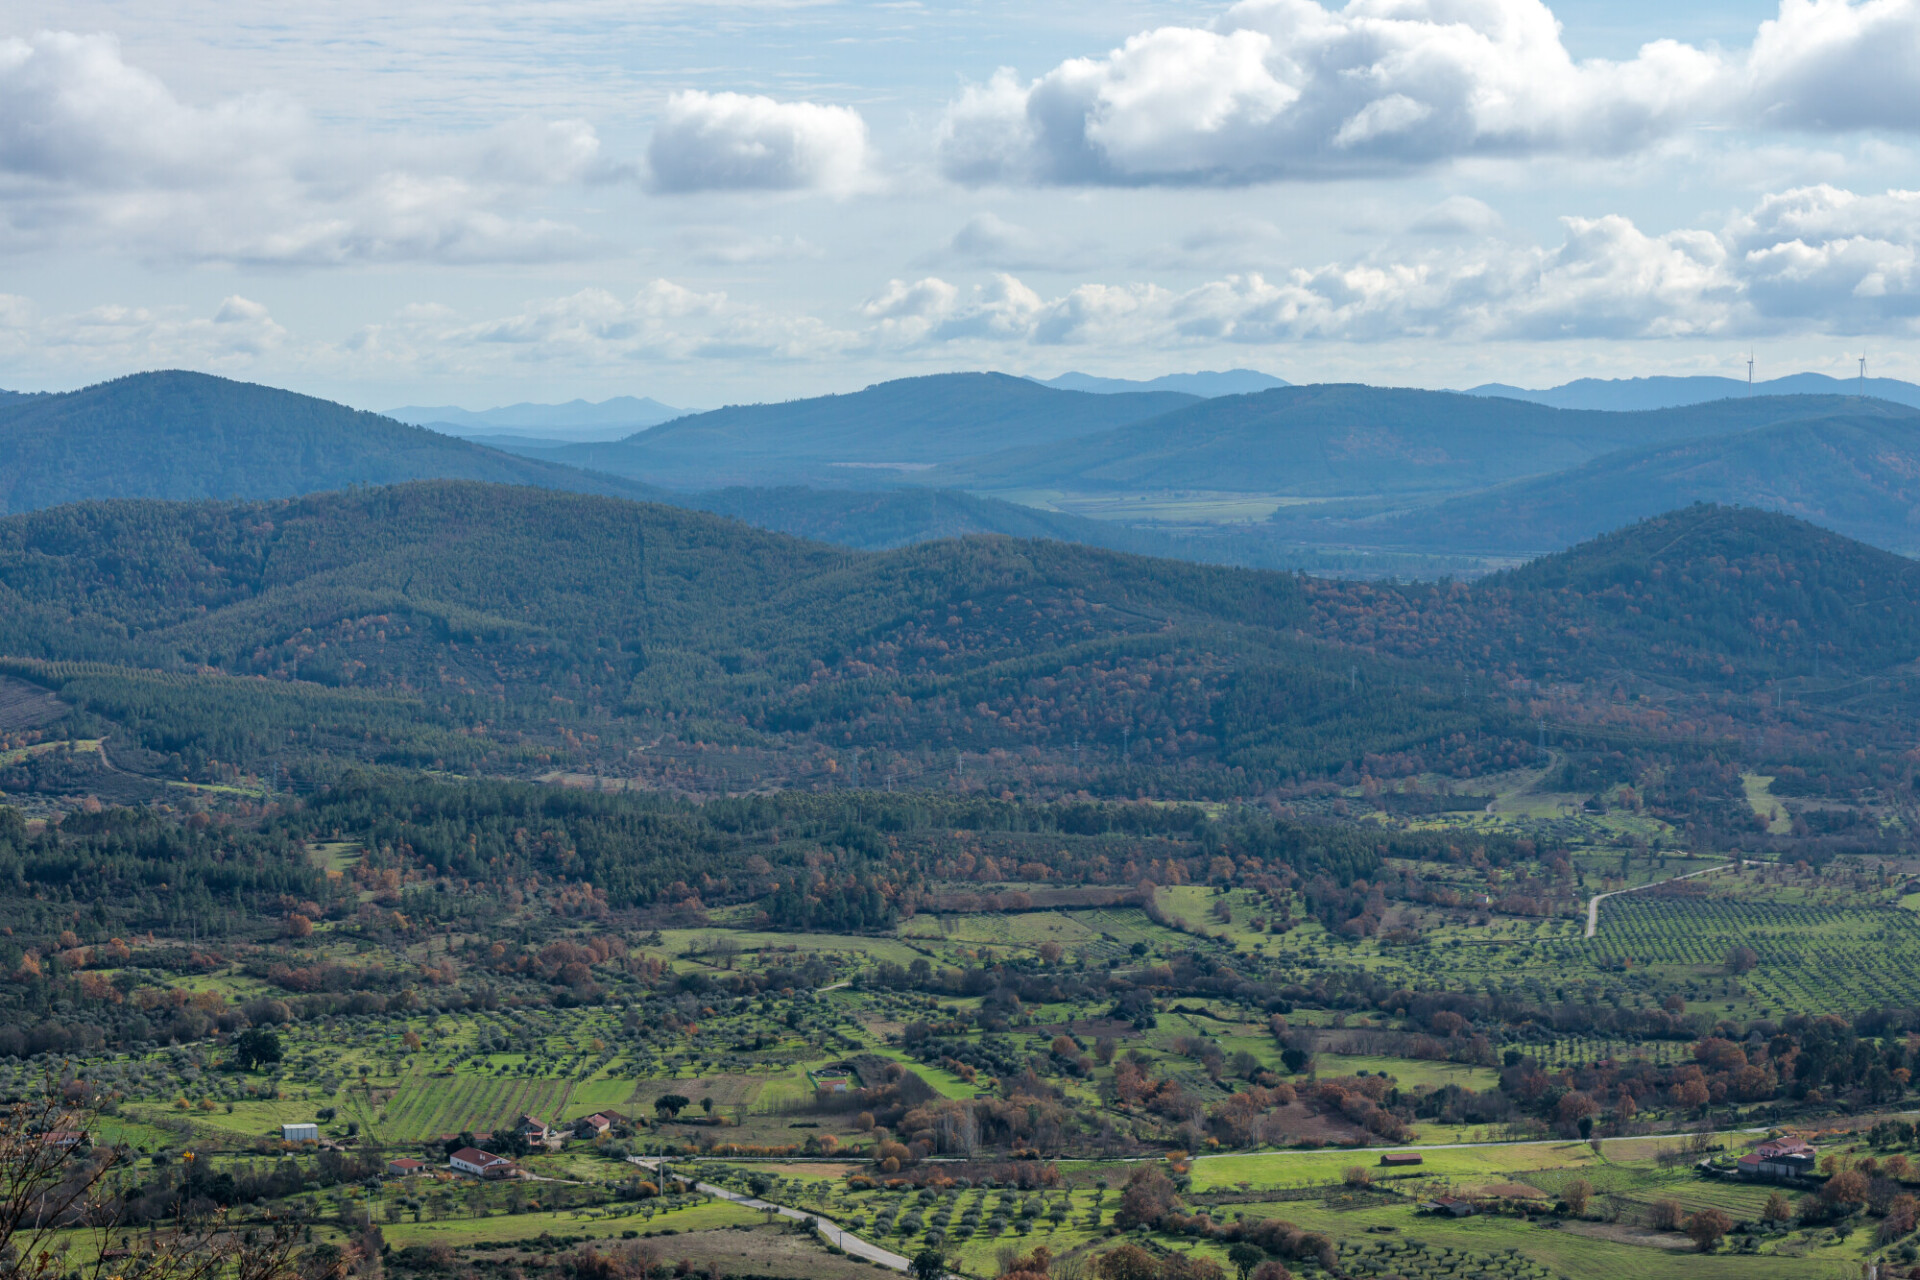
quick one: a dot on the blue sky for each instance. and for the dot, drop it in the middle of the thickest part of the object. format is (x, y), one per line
(486, 202)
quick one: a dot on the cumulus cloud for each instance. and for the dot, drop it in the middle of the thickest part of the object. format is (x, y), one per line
(1816, 259)
(1289, 89)
(115, 338)
(98, 152)
(742, 142)
(1813, 260)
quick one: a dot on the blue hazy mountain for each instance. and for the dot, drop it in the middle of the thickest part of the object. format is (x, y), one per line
(1627, 394)
(870, 438)
(1347, 440)
(1228, 382)
(575, 420)
(1856, 472)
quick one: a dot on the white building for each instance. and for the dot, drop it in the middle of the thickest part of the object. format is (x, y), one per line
(299, 1133)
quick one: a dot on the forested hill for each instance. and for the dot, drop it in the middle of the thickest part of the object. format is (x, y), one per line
(502, 628)
(182, 435)
(1356, 440)
(508, 630)
(1721, 597)
(867, 436)
(1856, 474)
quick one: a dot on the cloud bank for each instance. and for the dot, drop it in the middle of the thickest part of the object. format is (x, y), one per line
(1280, 89)
(99, 153)
(1814, 260)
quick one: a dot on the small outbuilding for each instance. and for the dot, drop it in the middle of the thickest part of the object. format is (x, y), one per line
(405, 1165)
(299, 1133)
(1401, 1159)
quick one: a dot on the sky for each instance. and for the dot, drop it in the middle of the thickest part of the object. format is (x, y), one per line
(493, 201)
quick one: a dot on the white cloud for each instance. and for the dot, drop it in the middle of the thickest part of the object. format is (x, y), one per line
(988, 240)
(1828, 252)
(1457, 216)
(732, 247)
(1280, 89)
(96, 153)
(742, 142)
(596, 329)
(1834, 65)
(1811, 261)
(117, 338)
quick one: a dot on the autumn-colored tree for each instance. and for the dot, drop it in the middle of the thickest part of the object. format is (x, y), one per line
(1577, 1193)
(1708, 1227)
(1847, 1189)
(1149, 1196)
(1669, 1216)
(1777, 1208)
(1128, 1262)
(1690, 1094)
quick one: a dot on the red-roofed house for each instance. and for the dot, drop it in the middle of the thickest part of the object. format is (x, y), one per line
(481, 1164)
(1777, 1160)
(405, 1165)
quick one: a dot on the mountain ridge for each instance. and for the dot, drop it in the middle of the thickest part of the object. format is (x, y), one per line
(886, 430)
(1663, 392)
(180, 435)
(1340, 439)
(1857, 475)
(1206, 384)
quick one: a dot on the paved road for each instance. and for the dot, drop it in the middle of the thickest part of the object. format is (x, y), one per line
(1457, 1146)
(1593, 903)
(830, 1230)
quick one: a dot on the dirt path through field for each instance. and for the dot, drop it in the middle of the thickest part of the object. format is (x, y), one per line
(831, 1231)
(1593, 903)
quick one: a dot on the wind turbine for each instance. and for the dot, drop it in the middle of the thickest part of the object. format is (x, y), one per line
(1863, 374)
(1749, 370)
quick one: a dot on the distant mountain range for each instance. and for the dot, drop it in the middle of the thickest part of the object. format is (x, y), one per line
(1230, 382)
(1354, 441)
(868, 439)
(1855, 473)
(575, 420)
(1373, 481)
(1667, 393)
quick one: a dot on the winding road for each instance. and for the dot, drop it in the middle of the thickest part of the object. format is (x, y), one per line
(830, 1231)
(1593, 903)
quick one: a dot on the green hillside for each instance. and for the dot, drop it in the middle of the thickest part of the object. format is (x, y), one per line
(1340, 440)
(500, 627)
(1856, 474)
(1711, 596)
(182, 436)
